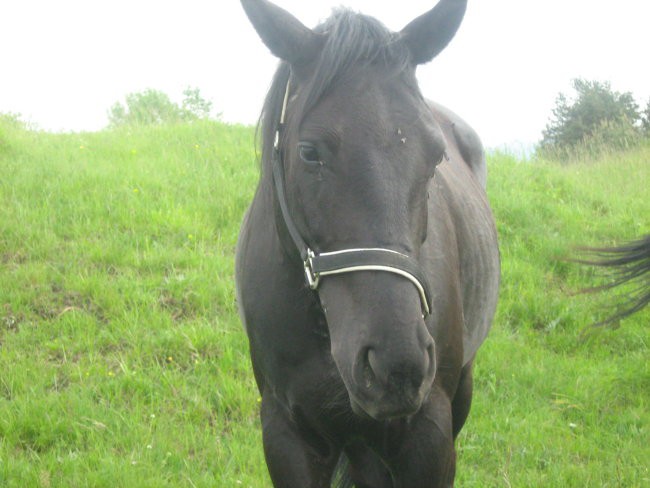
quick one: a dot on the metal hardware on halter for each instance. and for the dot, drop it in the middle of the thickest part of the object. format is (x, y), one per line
(345, 260)
(313, 279)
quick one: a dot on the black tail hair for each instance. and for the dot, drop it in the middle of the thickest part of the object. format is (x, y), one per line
(628, 263)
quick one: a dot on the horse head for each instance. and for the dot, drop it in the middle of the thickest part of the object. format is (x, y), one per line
(358, 149)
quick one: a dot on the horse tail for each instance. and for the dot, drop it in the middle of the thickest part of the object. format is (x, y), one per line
(628, 263)
(341, 477)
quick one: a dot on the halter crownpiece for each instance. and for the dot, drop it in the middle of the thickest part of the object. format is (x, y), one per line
(346, 260)
(283, 114)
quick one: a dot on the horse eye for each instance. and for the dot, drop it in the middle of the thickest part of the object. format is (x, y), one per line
(309, 153)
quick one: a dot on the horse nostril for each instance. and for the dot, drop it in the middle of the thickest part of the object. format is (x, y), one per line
(368, 374)
(398, 374)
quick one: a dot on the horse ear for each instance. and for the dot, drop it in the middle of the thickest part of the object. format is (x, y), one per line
(430, 33)
(283, 34)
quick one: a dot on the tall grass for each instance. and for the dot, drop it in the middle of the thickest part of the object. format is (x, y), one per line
(122, 361)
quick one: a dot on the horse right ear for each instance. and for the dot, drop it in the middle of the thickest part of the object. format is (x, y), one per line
(286, 37)
(430, 33)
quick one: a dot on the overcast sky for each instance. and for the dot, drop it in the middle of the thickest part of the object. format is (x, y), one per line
(65, 62)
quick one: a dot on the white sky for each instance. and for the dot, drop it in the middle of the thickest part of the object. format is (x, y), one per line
(65, 62)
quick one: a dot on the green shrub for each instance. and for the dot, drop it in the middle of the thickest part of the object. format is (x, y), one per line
(610, 136)
(153, 107)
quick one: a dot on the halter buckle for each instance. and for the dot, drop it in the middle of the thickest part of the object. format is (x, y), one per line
(313, 279)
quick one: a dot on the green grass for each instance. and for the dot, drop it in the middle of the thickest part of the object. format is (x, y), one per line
(123, 363)
(558, 403)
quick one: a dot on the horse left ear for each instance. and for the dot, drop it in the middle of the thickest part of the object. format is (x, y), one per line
(430, 33)
(283, 34)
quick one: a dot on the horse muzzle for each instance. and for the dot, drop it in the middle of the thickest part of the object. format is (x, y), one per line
(380, 342)
(390, 382)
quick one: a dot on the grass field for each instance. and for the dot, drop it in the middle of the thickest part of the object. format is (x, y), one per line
(123, 363)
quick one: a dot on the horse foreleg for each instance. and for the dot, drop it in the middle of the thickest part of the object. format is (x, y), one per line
(292, 454)
(366, 468)
(462, 402)
(426, 457)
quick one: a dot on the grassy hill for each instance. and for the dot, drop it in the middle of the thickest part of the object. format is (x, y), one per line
(122, 361)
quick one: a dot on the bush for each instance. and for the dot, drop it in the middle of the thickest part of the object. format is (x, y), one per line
(151, 107)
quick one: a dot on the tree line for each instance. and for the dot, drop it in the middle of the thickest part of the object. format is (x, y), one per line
(593, 120)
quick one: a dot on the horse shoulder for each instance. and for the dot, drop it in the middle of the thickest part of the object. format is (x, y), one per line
(460, 186)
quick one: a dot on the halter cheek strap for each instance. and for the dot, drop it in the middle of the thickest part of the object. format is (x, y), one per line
(346, 260)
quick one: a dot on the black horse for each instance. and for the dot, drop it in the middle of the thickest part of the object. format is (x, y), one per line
(367, 265)
(626, 264)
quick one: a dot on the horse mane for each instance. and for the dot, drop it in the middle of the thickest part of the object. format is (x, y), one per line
(352, 40)
(627, 263)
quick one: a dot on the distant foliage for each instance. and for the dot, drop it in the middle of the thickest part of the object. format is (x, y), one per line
(11, 119)
(195, 105)
(10, 123)
(645, 119)
(596, 118)
(151, 107)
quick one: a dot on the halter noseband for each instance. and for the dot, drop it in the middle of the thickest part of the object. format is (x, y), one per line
(346, 260)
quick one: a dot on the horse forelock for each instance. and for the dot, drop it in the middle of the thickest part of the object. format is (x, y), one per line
(353, 41)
